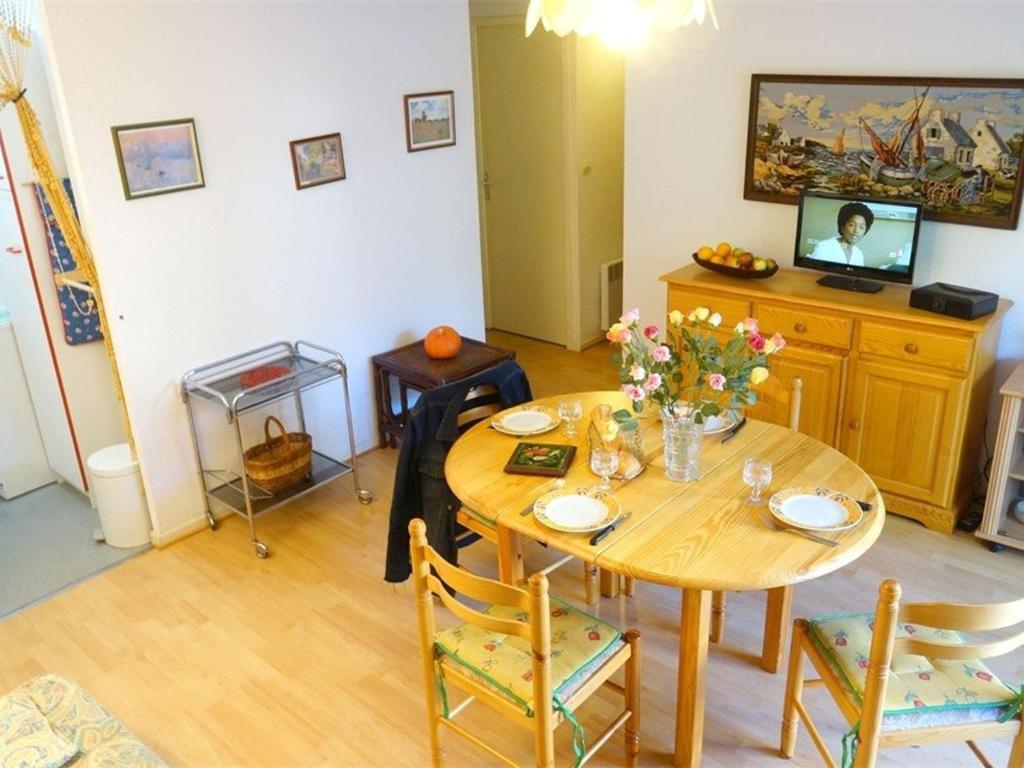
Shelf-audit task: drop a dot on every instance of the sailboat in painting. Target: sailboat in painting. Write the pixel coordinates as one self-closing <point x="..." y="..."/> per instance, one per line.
<point x="839" y="147"/>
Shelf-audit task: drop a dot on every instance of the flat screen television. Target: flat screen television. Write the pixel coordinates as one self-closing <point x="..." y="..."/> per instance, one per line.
<point x="857" y="238"/>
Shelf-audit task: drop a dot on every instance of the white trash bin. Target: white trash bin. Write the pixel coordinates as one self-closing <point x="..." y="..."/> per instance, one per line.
<point x="120" y="500"/>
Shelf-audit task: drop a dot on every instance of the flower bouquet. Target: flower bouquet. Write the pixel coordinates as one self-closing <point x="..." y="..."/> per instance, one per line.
<point x="690" y="375"/>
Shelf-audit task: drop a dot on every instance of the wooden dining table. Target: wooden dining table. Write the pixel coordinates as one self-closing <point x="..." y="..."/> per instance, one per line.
<point x="700" y="536"/>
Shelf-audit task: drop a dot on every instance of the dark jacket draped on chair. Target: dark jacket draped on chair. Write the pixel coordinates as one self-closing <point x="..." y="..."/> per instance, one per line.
<point x="420" y="486"/>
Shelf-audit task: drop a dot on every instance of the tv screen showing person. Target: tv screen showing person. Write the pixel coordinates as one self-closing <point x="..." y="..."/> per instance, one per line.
<point x="861" y="234"/>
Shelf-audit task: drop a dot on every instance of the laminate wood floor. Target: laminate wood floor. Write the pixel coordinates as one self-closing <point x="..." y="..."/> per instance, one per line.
<point x="216" y="658"/>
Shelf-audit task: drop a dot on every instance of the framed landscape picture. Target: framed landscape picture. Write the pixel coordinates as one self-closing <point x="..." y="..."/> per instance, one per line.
<point x="952" y="144"/>
<point x="155" y="158"/>
<point x="429" y="120"/>
<point x="317" y="160"/>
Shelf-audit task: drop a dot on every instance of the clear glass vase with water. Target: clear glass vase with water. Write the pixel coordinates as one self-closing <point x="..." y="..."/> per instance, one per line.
<point x="683" y="437"/>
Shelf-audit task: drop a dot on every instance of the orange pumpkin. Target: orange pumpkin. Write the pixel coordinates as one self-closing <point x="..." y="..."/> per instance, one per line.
<point x="442" y="342"/>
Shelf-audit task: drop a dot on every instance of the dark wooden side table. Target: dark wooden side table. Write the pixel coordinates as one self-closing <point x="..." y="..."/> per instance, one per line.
<point x="411" y="367"/>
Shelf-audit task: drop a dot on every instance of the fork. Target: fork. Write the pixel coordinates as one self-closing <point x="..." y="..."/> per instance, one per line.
<point x="798" y="531"/>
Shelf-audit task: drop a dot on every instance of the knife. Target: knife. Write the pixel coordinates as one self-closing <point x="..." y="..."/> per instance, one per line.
<point x="596" y="538"/>
<point x="732" y="432"/>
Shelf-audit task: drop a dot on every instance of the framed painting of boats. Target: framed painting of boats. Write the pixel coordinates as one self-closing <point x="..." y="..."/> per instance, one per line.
<point x="952" y="144"/>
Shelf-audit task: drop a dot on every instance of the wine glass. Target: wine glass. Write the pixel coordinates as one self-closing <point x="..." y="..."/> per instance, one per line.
<point x="604" y="463"/>
<point x="570" y="411"/>
<point x="757" y="473"/>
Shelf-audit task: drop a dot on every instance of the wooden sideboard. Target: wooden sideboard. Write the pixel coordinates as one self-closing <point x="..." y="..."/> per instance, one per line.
<point x="901" y="391"/>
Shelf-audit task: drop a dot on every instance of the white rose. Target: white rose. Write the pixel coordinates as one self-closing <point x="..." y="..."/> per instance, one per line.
<point x="637" y="373"/>
<point x="715" y="320"/>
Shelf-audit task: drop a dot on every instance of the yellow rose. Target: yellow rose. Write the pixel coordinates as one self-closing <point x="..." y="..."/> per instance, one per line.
<point x="758" y="375"/>
<point x="702" y="313"/>
<point x="769" y="347"/>
<point x="739" y="328"/>
<point x="675" y="317"/>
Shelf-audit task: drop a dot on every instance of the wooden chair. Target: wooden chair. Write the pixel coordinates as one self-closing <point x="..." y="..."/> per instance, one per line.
<point x="482" y="403"/>
<point x="778" y="405"/>
<point x="528" y="656"/>
<point x="907" y="676"/>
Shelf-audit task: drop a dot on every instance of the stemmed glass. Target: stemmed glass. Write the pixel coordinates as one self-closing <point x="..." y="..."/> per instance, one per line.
<point x="570" y="411"/>
<point x="604" y="463"/>
<point x="757" y="473"/>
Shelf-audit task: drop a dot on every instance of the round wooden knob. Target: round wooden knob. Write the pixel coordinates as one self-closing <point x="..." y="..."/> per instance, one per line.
<point x="800" y="328"/>
<point x="854" y="425"/>
<point x="910" y="348"/>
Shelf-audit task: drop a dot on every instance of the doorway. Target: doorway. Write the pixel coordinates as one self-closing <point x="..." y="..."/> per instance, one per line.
<point x="550" y="129"/>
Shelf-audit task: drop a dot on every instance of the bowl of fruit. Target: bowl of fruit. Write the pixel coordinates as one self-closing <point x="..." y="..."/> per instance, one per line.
<point x="737" y="262"/>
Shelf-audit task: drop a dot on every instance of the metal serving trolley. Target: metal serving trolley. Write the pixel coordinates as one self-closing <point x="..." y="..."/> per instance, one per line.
<point x="308" y="365"/>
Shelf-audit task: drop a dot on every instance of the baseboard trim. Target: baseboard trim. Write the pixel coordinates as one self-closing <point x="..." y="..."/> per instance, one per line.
<point x="593" y="341"/>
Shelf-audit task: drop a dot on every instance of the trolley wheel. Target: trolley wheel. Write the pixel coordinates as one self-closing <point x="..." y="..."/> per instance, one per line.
<point x="995" y="546"/>
<point x="262" y="550"/>
<point x="211" y="521"/>
<point x="364" y="496"/>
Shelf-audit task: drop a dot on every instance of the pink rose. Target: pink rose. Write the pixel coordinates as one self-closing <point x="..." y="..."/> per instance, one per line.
<point x="630" y="317"/>
<point x="653" y="382"/>
<point x="778" y="341"/>
<point x="661" y="353"/>
<point x="716" y="381"/>
<point x="651" y="332"/>
<point x="750" y="324"/>
<point x="756" y="341"/>
<point x="633" y="392"/>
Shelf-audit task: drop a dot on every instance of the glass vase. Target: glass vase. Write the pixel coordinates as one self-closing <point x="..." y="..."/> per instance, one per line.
<point x="682" y="438"/>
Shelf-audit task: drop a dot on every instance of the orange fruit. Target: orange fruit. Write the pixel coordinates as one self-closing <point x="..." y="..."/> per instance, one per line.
<point x="724" y="250"/>
<point x="716" y="259"/>
<point x="705" y="252"/>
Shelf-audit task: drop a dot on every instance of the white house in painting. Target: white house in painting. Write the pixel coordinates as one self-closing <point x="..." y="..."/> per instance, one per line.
<point x="992" y="154"/>
<point x="944" y="137"/>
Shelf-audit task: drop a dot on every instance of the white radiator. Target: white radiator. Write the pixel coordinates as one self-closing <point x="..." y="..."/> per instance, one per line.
<point x="611" y="293"/>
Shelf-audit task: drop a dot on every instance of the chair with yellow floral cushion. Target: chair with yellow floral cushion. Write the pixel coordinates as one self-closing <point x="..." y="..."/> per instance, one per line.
<point x="483" y="402"/>
<point x="907" y="675"/>
<point x="528" y="656"/>
<point x="779" y="405"/>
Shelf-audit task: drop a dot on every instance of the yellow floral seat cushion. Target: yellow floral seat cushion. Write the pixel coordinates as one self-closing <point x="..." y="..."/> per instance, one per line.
<point x="921" y="692"/>
<point x="580" y="643"/>
<point x="26" y="739"/>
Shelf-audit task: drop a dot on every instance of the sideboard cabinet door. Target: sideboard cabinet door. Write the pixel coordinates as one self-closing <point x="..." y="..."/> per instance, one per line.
<point x="822" y="376"/>
<point x="901" y="426"/>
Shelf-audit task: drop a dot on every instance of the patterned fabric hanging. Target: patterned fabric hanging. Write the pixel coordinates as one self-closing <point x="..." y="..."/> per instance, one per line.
<point x="77" y="307"/>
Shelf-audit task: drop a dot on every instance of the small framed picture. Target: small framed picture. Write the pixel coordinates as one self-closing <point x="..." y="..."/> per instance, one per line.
<point x="317" y="160"/>
<point x="155" y="158"/>
<point x="429" y="120"/>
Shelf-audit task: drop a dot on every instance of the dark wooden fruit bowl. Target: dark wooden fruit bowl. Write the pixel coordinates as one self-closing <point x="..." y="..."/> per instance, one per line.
<point x="745" y="274"/>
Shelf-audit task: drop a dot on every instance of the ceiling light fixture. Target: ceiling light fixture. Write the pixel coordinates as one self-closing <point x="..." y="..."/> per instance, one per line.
<point x="619" y="23"/>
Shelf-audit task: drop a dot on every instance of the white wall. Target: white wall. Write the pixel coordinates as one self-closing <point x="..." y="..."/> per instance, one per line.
<point x="84" y="370"/>
<point x="687" y="96"/>
<point x="360" y="265"/>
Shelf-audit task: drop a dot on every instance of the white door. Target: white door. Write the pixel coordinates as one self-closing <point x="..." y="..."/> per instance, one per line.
<point x="519" y="84"/>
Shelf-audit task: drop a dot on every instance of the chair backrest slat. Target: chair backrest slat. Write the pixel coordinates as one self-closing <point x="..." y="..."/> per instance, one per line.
<point x="481" y="402"/>
<point x="476" y="618"/>
<point x="476" y="587"/>
<point x="965" y="618"/>
<point x="957" y="652"/>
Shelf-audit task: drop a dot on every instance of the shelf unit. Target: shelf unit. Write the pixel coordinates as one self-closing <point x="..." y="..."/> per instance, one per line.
<point x="308" y="365"/>
<point x="1006" y="484"/>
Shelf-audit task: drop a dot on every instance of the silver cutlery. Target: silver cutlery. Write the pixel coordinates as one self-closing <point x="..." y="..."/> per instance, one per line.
<point x="596" y="538"/>
<point x="798" y="531"/>
<point x="556" y="486"/>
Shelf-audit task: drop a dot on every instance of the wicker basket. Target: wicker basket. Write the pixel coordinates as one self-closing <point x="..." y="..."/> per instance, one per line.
<point x="279" y="461"/>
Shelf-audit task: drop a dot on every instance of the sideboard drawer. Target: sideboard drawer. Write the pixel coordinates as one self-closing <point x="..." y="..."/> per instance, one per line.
<point x="731" y="309"/>
<point x="801" y="325"/>
<point x="914" y="345"/>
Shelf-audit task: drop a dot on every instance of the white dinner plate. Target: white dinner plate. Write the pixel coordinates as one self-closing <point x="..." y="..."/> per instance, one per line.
<point x="816" y="509"/>
<point x="576" y="511"/>
<point x="525" y="421"/>
<point x="726" y="420"/>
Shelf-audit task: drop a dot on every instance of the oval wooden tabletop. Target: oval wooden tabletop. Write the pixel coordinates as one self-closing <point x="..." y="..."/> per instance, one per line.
<point x="697" y="535"/>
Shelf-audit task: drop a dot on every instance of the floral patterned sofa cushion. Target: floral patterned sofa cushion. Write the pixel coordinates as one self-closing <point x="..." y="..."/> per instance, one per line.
<point x="921" y="692"/>
<point x="97" y="738"/>
<point x="26" y="739"/>
<point x="580" y="644"/>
